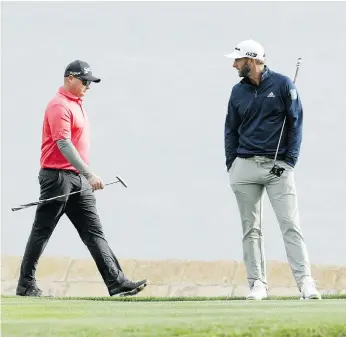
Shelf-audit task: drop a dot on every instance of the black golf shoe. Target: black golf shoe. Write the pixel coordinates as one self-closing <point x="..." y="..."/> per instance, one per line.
<point x="128" y="288"/>
<point x="31" y="290"/>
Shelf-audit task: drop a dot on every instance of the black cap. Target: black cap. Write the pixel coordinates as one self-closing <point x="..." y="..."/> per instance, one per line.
<point x="81" y="70"/>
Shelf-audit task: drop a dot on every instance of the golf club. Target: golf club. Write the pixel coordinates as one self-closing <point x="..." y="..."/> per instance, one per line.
<point x="276" y="169"/>
<point x="64" y="195"/>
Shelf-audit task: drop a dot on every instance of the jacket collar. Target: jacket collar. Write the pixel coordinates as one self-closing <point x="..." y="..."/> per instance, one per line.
<point x="265" y="74"/>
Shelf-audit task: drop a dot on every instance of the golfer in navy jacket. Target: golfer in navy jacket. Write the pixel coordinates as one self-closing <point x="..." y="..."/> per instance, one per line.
<point x="256" y="112"/>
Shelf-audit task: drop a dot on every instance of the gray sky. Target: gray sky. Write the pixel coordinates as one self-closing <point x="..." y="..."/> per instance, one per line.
<point x="158" y="116"/>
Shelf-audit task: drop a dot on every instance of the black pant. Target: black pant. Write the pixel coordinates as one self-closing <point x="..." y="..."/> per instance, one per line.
<point x="80" y="208"/>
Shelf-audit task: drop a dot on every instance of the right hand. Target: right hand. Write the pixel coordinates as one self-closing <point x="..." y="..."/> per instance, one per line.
<point x="96" y="183"/>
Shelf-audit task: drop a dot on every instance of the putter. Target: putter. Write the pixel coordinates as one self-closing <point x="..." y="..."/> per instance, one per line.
<point x="276" y="169"/>
<point x="119" y="180"/>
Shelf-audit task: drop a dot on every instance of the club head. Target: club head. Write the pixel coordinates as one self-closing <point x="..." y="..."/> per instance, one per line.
<point x="277" y="170"/>
<point x="122" y="181"/>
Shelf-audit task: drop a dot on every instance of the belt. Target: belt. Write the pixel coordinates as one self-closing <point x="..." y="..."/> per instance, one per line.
<point x="261" y="159"/>
<point x="61" y="170"/>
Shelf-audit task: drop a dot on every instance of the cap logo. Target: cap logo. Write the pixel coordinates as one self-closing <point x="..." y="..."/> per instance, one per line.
<point x="86" y="70"/>
<point x="251" y="54"/>
<point x="236" y="48"/>
<point x="74" y="73"/>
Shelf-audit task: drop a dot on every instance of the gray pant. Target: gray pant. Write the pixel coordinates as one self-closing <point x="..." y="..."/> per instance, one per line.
<point x="248" y="179"/>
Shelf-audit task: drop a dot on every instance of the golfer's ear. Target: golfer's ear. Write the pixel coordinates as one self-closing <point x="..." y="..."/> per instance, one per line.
<point x="68" y="79"/>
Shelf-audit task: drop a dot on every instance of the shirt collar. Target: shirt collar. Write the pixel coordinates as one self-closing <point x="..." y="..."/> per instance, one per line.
<point x="69" y="95"/>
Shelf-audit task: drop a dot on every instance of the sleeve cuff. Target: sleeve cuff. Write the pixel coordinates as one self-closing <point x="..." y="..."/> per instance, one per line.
<point x="290" y="161"/>
<point x="229" y="163"/>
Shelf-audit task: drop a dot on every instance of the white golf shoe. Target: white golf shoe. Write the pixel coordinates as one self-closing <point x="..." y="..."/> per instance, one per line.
<point x="258" y="291"/>
<point x="308" y="290"/>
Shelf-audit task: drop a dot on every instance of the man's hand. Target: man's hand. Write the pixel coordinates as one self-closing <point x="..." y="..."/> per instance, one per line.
<point x="96" y="183"/>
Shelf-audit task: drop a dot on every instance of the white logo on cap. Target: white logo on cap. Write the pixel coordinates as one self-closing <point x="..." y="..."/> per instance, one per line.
<point x="74" y="73"/>
<point x="86" y="70"/>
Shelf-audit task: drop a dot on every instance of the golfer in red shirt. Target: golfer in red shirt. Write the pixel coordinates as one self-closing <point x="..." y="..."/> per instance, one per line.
<point x="65" y="169"/>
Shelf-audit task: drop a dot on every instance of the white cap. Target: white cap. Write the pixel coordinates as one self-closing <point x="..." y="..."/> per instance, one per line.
<point x="248" y="48"/>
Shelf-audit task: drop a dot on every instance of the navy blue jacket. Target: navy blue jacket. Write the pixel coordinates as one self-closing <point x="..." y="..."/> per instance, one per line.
<point x="255" y="116"/>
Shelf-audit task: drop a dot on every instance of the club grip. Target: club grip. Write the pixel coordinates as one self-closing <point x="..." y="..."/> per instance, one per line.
<point x="17" y="208"/>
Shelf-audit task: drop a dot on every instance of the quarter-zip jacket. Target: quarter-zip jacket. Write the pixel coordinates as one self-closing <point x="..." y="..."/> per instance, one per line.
<point x="255" y="117"/>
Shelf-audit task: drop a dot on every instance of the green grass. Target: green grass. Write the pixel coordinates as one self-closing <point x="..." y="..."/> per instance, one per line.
<point x="192" y="317"/>
<point x="140" y="298"/>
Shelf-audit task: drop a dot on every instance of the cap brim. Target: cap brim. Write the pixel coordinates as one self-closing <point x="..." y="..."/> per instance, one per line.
<point x="91" y="78"/>
<point x="232" y="55"/>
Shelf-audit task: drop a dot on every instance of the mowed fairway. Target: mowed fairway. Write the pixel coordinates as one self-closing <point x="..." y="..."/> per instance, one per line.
<point x="22" y="317"/>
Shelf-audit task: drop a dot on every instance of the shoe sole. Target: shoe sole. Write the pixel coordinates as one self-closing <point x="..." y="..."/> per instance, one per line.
<point x="134" y="291"/>
<point x="40" y="296"/>
<point x="314" y="297"/>
<point x="255" y="299"/>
